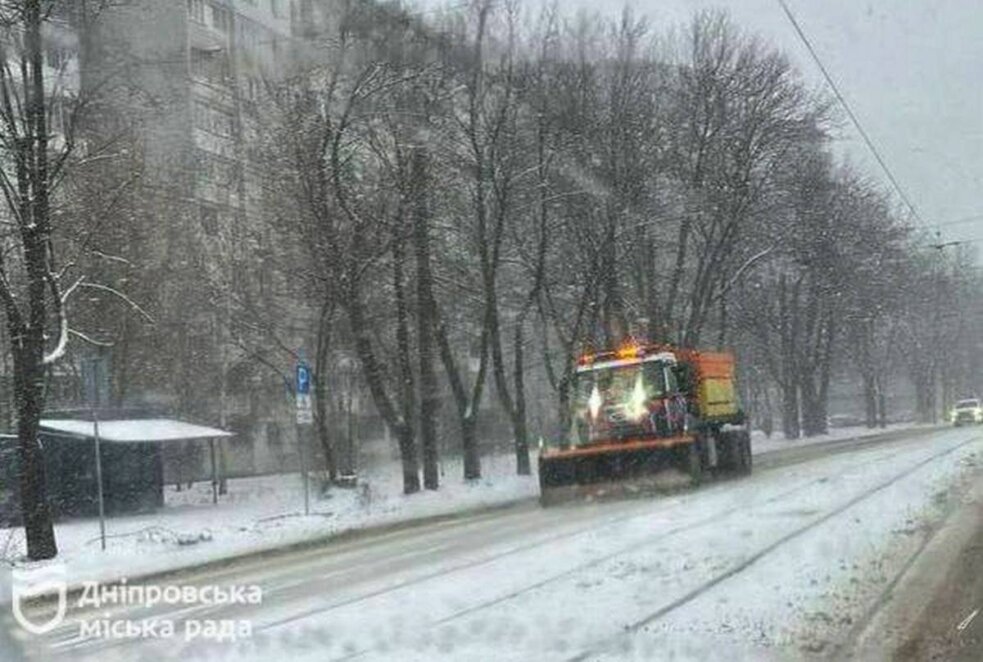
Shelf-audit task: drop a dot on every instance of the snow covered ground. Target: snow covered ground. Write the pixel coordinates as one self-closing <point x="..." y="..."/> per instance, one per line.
<point x="784" y="564"/>
<point x="787" y="563"/>
<point x="267" y="512"/>
<point x="762" y="444"/>
<point x="259" y="514"/>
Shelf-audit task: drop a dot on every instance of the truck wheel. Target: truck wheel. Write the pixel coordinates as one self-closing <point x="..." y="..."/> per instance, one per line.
<point x="728" y="451"/>
<point x="742" y="448"/>
<point x="693" y="462"/>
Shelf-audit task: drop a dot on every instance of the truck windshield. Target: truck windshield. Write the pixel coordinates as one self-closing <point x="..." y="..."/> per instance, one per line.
<point x="967" y="404"/>
<point x="615" y="386"/>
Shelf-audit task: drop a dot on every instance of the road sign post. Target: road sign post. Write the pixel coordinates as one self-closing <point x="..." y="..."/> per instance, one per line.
<point x="305" y="416"/>
<point x="95" y="379"/>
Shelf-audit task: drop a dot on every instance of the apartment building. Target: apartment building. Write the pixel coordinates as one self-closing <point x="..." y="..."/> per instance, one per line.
<point x="184" y="78"/>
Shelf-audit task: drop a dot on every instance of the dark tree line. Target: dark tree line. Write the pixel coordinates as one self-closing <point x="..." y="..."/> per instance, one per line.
<point x="557" y="183"/>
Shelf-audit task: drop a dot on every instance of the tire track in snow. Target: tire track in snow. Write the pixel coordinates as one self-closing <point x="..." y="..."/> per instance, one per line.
<point x="607" y="523"/>
<point x="705" y="587"/>
<point x="706" y="521"/>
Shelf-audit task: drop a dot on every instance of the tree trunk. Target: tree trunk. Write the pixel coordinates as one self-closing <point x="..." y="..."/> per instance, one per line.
<point x="406" y="390"/>
<point x="790" y="411"/>
<point x="321" y="395"/>
<point x="870" y="401"/>
<point x="813" y="408"/>
<point x="375" y="380"/>
<point x="881" y="402"/>
<point x="469" y="444"/>
<point x="722" y="330"/>
<point x="35" y="509"/>
<point x="520" y="432"/>
<point x="615" y="322"/>
<point x="788" y="333"/>
<point x="28" y="335"/>
<point x="429" y="397"/>
<point x="465" y="405"/>
<point x="924" y="383"/>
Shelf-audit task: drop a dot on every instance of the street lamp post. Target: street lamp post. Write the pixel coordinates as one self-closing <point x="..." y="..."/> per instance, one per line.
<point x="939" y="371"/>
<point x="348" y="368"/>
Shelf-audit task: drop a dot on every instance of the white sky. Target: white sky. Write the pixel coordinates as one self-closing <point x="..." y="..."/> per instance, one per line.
<point x="911" y="69"/>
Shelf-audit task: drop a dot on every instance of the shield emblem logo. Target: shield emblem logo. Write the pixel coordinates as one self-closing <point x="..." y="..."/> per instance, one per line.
<point x="29" y="584"/>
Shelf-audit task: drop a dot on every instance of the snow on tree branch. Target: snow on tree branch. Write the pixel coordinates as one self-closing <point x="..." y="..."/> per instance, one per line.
<point x="130" y="302"/>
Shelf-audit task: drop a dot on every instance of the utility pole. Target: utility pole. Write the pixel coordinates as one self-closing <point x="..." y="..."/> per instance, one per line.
<point x="939" y="366"/>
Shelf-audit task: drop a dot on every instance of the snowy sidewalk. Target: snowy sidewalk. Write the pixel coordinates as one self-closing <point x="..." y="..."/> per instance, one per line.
<point x="259" y="514"/>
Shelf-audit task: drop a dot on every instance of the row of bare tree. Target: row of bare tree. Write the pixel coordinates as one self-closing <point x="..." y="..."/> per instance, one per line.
<point x="466" y="204"/>
<point x="496" y="192"/>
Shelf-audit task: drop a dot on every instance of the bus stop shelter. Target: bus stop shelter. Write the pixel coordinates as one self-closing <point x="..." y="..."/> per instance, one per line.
<point x="130" y="454"/>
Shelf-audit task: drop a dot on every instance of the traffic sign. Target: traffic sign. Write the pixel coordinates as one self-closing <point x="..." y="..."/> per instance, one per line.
<point x="303" y="379"/>
<point x="305" y="413"/>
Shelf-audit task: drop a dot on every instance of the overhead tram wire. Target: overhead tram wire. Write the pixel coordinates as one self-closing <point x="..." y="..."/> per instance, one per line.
<point x="849" y="111"/>
<point x="978" y="218"/>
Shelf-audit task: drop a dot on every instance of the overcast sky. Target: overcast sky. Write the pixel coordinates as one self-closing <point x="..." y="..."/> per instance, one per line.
<point x="912" y="71"/>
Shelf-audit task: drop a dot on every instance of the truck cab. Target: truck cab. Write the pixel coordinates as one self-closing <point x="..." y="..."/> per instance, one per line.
<point x="623" y="398"/>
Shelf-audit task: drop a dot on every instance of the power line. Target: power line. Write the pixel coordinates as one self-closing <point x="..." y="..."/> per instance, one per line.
<point x="849" y="111"/>
<point x="939" y="245"/>
<point x="959" y="221"/>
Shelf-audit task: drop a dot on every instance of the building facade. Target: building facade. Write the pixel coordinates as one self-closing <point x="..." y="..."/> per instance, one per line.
<point x="177" y="83"/>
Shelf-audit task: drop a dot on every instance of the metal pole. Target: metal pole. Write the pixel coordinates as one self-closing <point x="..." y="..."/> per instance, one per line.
<point x="303" y="469"/>
<point x="93" y="382"/>
<point x="211" y="448"/>
<point x="303" y="401"/>
<point x="350" y="446"/>
<point x="102" y="507"/>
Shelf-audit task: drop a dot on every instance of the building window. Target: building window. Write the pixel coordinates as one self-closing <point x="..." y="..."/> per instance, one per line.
<point x="56" y="58"/>
<point x="250" y="89"/>
<point x="249" y="33"/>
<point x="196" y="10"/>
<point x="221" y="19"/>
<point x="208" y="217"/>
<point x="212" y="119"/>
<point x="58" y="118"/>
<point x="215" y="177"/>
<point x="211" y="64"/>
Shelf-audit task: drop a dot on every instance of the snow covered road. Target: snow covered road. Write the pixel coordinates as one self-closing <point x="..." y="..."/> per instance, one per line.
<point x="792" y="561"/>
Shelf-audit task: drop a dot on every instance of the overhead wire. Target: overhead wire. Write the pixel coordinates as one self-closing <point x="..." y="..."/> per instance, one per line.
<point x="849" y="111"/>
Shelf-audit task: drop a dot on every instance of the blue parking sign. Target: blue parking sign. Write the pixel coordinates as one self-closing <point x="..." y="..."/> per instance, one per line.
<point x="303" y="379"/>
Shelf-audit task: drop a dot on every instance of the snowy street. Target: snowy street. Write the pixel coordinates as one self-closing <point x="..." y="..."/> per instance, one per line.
<point x="796" y="560"/>
<point x="480" y="330"/>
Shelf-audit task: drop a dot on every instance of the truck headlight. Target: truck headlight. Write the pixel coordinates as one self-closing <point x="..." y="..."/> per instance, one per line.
<point x="636" y="407"/>
<point x="594" y="402"/>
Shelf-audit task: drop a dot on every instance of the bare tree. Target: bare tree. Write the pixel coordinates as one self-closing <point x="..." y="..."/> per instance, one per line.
<point x="35" y="289"/>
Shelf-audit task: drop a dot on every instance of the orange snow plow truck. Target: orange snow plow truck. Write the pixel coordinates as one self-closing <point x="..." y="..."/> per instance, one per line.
<point x="641" y="409"/>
